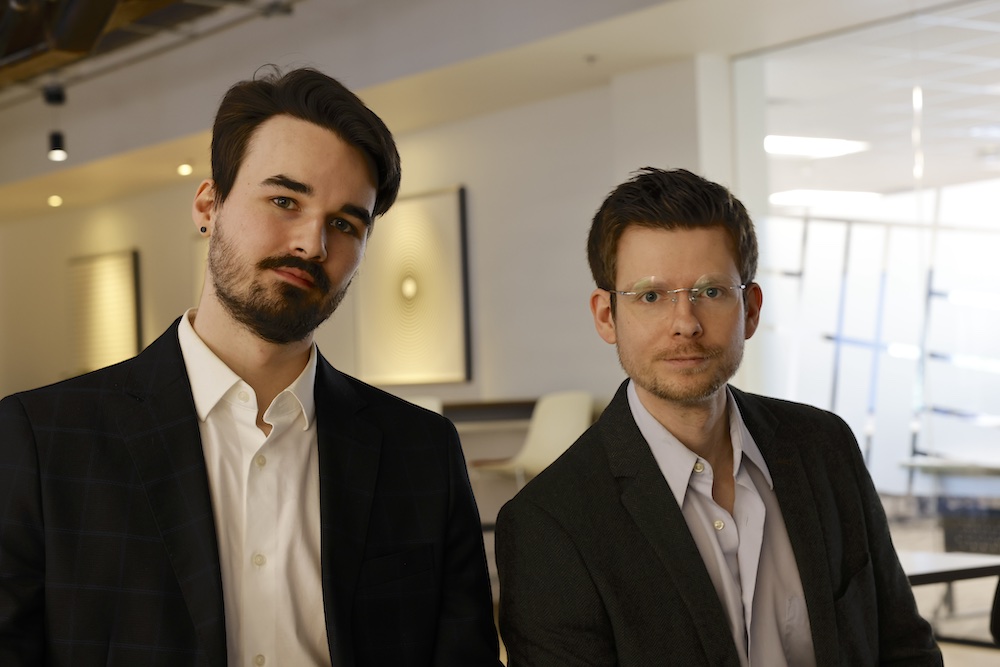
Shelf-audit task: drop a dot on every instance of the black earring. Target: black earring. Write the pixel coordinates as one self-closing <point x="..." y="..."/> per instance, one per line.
<point x="204" y="229"/>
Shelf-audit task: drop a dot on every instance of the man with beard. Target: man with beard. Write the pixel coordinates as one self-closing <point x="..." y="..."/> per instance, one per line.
<point x="695" y="524"/>
<point x="228" y="497"/>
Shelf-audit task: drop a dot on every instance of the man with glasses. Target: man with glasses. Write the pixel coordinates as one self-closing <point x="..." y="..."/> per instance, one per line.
<point x="695" y="524"/>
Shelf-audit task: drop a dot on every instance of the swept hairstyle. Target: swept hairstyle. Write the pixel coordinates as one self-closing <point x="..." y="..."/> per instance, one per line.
<point x="312" y="96"/>
<point x="668" y="199"/>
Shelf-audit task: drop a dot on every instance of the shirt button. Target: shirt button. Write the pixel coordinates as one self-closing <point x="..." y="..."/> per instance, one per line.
<point x="261" y="461"/>
<point x="699" y="467"/>
<point x="243" y="396"/>
<point x="259" y="560"/>
<point x="259" y="660"/>
<point x="719" y="524"/>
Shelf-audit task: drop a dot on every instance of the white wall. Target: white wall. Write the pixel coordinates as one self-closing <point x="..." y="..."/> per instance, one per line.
<point x="34" y="283"/>
<point x="535" y="175"/>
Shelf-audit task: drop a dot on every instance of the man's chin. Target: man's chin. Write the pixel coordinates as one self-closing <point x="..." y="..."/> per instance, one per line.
<point x="282" y="313"/>
<point x="689" y="389"/>
<point x="689" y="396"/>
<point x="285" y="330"/>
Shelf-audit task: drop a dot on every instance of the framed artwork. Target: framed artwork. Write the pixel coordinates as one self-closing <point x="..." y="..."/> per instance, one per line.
<point x="106" y="319"/>
<point x="412" y="293"/>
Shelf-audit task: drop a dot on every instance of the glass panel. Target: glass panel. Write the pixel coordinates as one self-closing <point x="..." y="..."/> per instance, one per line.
<point x="896" y="319"/>
<point x="892" y="438"/>
<point x="864" y="283"/>
<point x="905" y="290"/>
<point x="854" y="385"/>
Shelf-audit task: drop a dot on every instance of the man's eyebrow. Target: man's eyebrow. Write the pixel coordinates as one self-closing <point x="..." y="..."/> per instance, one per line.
<point x="360" y="213"/>
<point x="282" y="181"/>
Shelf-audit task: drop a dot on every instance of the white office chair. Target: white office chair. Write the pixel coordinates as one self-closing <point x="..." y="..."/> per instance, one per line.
<point x="557" y="420"/>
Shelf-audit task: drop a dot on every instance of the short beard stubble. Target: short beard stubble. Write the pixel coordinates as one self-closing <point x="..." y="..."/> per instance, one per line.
<point x="692" y="393"/>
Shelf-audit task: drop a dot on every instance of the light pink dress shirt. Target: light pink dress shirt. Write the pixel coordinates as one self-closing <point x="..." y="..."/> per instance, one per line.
<point x="747" y="554"/>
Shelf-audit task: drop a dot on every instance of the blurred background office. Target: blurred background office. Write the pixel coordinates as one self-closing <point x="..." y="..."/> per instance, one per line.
<point x="880" y="235"/>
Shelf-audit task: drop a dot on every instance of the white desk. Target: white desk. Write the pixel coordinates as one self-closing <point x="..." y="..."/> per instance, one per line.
<point x="929" y="567"/>
<point x="939" y="466"/>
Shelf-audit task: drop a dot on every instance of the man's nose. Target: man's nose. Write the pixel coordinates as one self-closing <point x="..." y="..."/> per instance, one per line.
<point x="310" y="239"/>
<point x="683" y="319"/>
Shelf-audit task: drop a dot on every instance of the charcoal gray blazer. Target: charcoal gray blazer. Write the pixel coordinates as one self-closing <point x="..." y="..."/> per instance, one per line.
<point x="597" y="566"/>
<point x="108" y="551"/>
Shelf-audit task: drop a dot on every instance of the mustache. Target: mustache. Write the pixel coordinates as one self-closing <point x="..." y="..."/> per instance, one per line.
<point x="315" y="272"/>
<point x="695" y="350"/>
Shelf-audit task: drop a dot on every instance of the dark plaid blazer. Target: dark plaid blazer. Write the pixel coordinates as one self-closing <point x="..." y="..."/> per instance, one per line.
<point x="598" y="567"/>
<point x="108" y="551"/>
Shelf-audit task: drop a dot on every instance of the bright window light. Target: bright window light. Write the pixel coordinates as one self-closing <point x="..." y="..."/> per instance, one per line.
<point x="989" y="300"/>
<point x="903" y="351"/>
<point x="985" y="132"/>
<point x="811" y="147"/>
<point x="988" y="421"/>
<point x="817" y="198"/>
<point x="976" y="363"/>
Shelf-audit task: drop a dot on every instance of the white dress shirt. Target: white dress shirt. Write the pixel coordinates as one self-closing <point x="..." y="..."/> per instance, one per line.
<point x="747" y="554"/>
<point x="265" y="499"/>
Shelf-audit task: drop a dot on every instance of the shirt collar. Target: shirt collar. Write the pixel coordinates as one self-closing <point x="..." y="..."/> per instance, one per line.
<point x="742" y="439"/>
<point x="676" y="461"/>
<point x="211" y="379"/>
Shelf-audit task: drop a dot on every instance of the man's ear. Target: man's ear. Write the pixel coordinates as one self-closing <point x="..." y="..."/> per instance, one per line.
<point x="754" y="300"/>
<point x="203" y="207"/>
<point x="604" y="319"/>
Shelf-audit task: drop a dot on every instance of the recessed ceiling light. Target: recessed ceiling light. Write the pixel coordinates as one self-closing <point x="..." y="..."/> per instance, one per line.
<point x="811" y="147"/>
<point x="815" y="198"/>
<point x="185" y="169"/>
<point x="55" y="201"/>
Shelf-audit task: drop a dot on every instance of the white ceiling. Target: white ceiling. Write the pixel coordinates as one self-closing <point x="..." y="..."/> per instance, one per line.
<point x="854" y="85"/>
<point x="859" y="86"/>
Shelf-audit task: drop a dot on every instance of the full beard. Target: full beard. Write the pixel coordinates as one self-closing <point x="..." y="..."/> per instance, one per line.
<point x="687" y="387"/>
<point x="279" y="314"/>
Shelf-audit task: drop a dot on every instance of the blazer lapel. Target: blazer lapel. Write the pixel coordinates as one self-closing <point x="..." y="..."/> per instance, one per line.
<point x="646" y="495"/>
<point x="349" y="451"/>
<point x="779" y="445"/>
<point x="164" y="440"/>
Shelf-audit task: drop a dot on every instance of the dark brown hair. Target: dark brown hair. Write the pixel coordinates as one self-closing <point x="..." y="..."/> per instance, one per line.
<point x="668" y="199"/>
<point x="312" y="96"/>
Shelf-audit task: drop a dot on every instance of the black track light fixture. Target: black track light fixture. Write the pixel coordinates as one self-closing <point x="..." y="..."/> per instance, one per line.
<point x="57" y="147"/>
<point x="55" y="96"/>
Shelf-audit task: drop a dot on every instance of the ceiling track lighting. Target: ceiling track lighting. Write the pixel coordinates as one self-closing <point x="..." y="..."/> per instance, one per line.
<point x="57" y="147"/>
<point x="55" y="95"/>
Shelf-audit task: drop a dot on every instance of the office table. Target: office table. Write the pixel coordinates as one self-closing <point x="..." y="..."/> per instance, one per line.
<point x="942" y="466"/>
<point x="928" y="567"/>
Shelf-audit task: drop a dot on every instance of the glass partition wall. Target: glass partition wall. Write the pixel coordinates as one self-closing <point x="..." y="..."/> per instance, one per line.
<point x="880" y="247"/>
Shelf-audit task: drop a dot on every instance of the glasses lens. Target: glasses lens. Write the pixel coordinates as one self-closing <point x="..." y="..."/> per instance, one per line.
<point x="651" y="298"/>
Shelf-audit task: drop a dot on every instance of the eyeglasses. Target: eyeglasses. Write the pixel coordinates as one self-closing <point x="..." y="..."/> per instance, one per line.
<point x="649" y="298"/>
